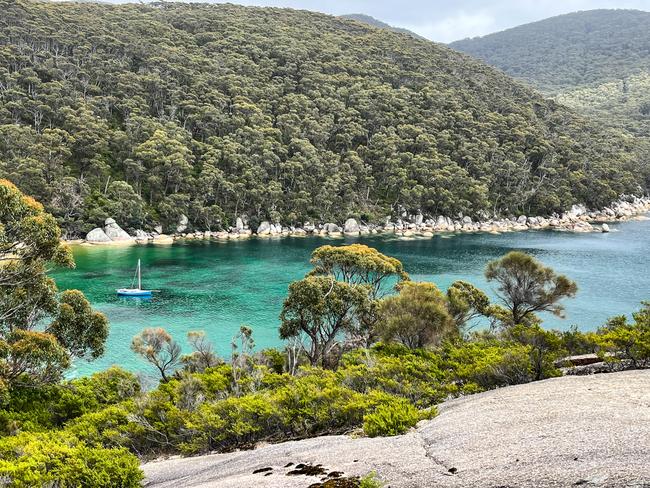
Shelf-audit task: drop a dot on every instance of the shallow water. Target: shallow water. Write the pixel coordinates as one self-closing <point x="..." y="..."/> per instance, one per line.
<point x="217" y="286"/>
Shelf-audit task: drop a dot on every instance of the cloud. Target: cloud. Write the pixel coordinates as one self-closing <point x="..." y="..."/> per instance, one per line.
<point x="456" y="26"/>
<point x="470" y="18"/>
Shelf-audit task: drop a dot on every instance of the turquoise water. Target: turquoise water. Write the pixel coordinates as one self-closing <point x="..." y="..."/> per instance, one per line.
<point x="217" y="287"/>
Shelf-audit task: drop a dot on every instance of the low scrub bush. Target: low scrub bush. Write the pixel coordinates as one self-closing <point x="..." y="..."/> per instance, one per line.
<point x="619" y="340"/>
<point x="391" y="418"/>
<point x="29" y="460"/>
<point x="35" y="408"/>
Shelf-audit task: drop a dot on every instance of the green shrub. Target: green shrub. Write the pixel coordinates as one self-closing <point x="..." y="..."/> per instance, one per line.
<point x="620" y="340"/>
<point x="483" y="365"/>
<point x="274" y="359"/>
<point x="29" y="460"/>
<point x="235" y="422"/>
<point x="370" y="481"/>
<point x="392" y="418"/>
<point x="316" y="403"/>
<point x="417" y="375"/>
<point x="544" y="348"/>
<point x="575" y="342"/>
<point x="37" y="408"/>
<point x="109" y="427"/>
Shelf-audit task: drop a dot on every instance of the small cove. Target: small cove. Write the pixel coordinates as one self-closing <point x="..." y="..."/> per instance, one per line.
<point x="218" y="286"/>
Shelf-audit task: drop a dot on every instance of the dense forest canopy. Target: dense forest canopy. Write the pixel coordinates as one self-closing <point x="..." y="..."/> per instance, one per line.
<point x="595" y="61"/>
<point x="146" y="112"/>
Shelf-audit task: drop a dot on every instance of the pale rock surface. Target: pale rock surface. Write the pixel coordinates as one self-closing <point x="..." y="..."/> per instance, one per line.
<point x="163" y="239"/>
<point x="331" y="228"/>
<point x="264" y="229"/>
<point x="97" y="235"/>
<point x="577" y="211"/>
<point x="182" y="224"/>
<point x="591" y="431"/>
<point x="351" y="226"/>
<point x="114" y="232"/>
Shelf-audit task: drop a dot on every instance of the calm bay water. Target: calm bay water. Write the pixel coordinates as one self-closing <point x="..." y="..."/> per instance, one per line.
<point x="217" y="287"/>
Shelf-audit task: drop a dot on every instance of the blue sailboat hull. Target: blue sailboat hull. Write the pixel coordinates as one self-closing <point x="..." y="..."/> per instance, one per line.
<point x="134" y="293"/>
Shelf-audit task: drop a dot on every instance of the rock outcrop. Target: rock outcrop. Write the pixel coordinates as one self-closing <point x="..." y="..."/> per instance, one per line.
<point x="163" y="239"/>
<point x="332" y="229"/>
<point x="97" y="236"/>
<point x="264" y="229"/>
<point x="569" y="431"/>
<point x="114" y="232"/>
<point x="351" y="227"/>
<point x="576" y="219"/>
<point x="183" y="221"/>
<point x="111" y="233"/>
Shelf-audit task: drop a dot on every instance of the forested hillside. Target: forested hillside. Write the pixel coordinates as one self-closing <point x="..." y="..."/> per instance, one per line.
<point x="147" y="112"/>
<point x="596" y="61"/>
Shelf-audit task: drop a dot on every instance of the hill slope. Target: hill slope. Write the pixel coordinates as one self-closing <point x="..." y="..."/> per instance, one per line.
<point x="147" y="112"/>
<point x="560" y="53"/>
<point x="367" y="19"/>
<point x="569" y="431"/>
<point x="597" y="61"/>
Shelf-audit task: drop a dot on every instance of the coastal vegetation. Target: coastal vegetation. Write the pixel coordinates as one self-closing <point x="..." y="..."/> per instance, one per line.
<point x="368" y="351"/>
<point x="151" y="114"/>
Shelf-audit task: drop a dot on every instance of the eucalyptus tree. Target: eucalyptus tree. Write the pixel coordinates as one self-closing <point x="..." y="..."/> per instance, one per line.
<point x="417" y="317"/>
<point x="526" y="286"/>
<point x="321" y="312"/>
<point x="29" y="243"/>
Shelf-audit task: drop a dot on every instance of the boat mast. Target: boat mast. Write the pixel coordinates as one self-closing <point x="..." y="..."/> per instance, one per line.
<point x="139" y="277"/>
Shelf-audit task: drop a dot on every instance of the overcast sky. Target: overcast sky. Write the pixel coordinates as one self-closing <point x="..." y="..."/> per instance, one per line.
<point x="450" y="20"/>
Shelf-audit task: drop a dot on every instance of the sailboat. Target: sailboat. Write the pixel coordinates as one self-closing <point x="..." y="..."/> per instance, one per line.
<point x="135" y="292"/>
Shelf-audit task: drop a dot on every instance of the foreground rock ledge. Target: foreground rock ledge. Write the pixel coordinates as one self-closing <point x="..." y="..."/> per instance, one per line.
<point x="591" y="431"/>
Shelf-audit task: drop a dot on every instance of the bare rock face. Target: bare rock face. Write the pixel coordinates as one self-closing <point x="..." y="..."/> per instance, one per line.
<point x="577" y="211"/>
<point x="114" y="232"/>
<point x="331" y="228"/>
<point x="97" y="235"/>
<point x="264" y="229"/>
<point x="570" y="431"/>
<point x="182" y="224"/>
<point x="163" y="239"/>
<point x="141" y="236"/>
<point x="239" y="224"/>
<point x="351" y="226"/>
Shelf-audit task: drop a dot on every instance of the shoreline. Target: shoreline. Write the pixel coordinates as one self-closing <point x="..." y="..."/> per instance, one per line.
<point x="576" y="220"/>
